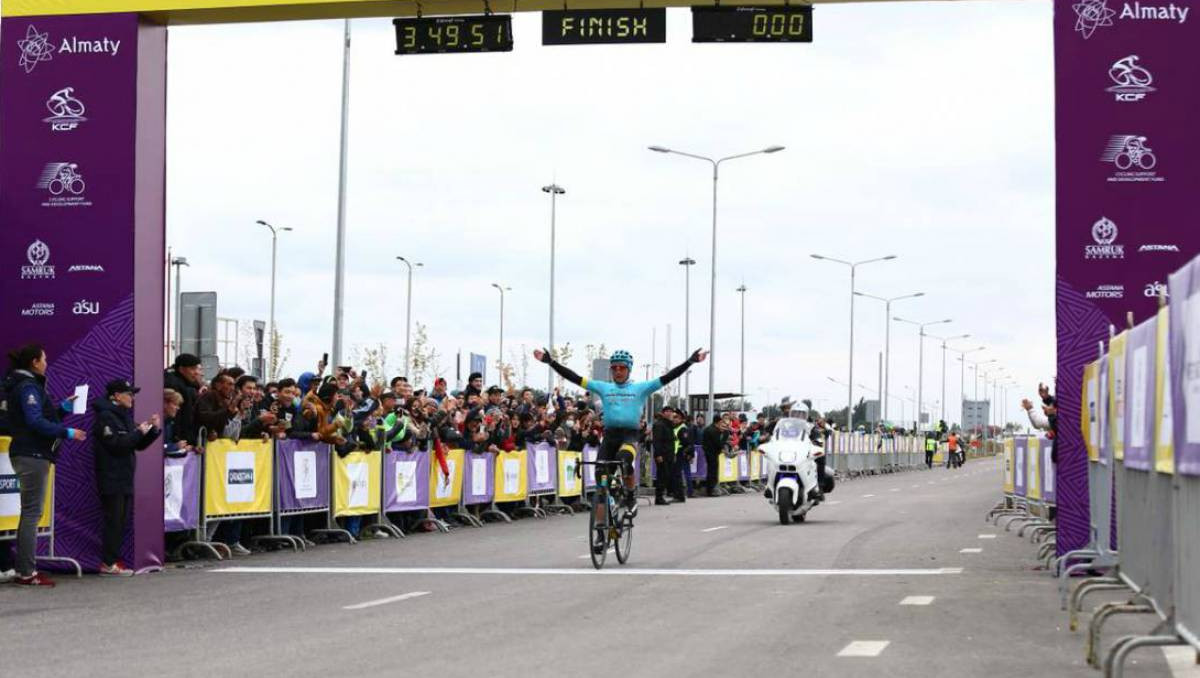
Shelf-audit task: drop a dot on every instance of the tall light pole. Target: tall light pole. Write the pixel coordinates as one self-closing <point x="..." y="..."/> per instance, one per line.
<point x="554" y="190"/>
<point x="944" y="341"/>
<point x="853" y="272"/>
<point x="500" y="358"/>
<point x="178" y="263"/>
<point x="921" y="361"/>
<point x="962" y="378"/>
<point x="408" y="314"/>
<point x="887" y="339"/>
<point x="742" y="379"/>
<point x="339" y="269"/>
<point x="687" y="263"/>
<point x="272" y="348"/>
<point x="712" y="297"/>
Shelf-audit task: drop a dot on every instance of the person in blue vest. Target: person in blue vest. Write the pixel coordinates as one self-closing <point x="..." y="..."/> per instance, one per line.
<point x="37" y="432"/>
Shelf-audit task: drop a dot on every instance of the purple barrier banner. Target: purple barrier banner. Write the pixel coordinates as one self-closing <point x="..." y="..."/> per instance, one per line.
<point x="1184" y="337"/>
<point x="699" y="465"/>
<point x="1020" y="446"/>
<point x="1140" y="387"/>
<point x="1125" y="181"/>
<point x="1106" y="450"/>
<point x="81" y="238"/>
<point x="181" y="493"/>
<point x="743" y="466"/>
<point x="542" y="462"/>
<point x="479" y="481"/>
<point x="589" y="472"/>
<point x="1046" y="472"/>
<point x="303" y="468"/>
<point x="405" y="481"/>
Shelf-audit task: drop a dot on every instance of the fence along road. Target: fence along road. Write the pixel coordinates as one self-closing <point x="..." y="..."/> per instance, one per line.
<point x="502" y="624"/>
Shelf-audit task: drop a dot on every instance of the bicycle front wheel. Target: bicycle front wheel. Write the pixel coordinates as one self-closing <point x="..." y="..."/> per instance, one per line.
<point x="598" y="531"/>
<point x="624" y="541"/>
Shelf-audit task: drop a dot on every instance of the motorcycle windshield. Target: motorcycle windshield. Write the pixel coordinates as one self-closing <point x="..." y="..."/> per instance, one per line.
<point x="791" y="429"/>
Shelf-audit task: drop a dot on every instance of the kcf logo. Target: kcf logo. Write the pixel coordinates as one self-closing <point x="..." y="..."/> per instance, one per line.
<point x="66" y="112"/>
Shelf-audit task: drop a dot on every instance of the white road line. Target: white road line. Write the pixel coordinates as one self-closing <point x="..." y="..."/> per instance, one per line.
<point x="894" y="489"/>
<point x="518" y="571"/>
<point x="714" y="529"/>
<point x="987" y="536"/>
<point x="916" y="486"/>
<point x="385" y="601"/>
<point x="864" y="648"/>
<point x="868" y="496"/>
<point x="835" y="502"/>
<point x="917" y="600"/>
<point x="971" y="551"/>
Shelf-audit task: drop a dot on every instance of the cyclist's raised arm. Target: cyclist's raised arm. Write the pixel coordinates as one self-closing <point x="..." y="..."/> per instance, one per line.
<point x="678" y="370"/>
<point x="563" y="371"/>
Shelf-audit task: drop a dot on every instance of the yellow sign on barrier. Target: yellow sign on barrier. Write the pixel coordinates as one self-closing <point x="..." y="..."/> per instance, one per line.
<point x="1010" y="466"/>
<point x="728" y="471"/>
<point x="445" y="491"/>
<point x="237" y="477"/>
<point x="512" y="476"/>
<point x="1033" y="478"/>
<point x="568" y="484"/>
<point x="1164" y="448"/>
<point x="356" y="483"/>
<point x="10" y="493"/>
<point x="1089" y="410"/>
<point x="756" y="465"/>
<point x="1117" y="393"/>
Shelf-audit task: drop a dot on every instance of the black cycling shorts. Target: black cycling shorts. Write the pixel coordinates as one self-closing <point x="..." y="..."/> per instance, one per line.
<point x="614" y="438"/>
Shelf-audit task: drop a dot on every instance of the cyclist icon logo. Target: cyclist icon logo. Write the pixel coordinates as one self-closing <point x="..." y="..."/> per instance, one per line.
<point x="35" y="48"/>
<point x="62" y="177"/>
<point x="1131" y="82"/>
<point x="1090" y="15"/>
<point x="1127" y="150"/>
<point x="66" y="112"/>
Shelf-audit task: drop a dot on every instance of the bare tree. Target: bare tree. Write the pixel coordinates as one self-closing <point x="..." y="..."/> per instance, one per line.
<point x="372" y="359"/>
<point x="426" y="361"/>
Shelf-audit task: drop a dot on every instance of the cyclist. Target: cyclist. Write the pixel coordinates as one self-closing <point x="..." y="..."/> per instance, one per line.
<point x="623" y="402"/>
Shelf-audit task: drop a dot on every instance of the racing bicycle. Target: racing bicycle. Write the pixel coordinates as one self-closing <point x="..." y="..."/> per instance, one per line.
<point x="610" y="522"/>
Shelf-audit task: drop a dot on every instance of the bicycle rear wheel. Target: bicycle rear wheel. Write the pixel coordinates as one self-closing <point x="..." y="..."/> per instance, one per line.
<point x="624" y="541"/>
<point x="598" y="530"/>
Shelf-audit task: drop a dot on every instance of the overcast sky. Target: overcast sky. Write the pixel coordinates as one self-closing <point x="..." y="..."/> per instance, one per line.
<point x="923" y="130"/>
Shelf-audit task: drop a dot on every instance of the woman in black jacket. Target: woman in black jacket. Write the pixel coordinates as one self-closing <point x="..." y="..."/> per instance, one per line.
<point x="116" y="439"/>
<point x="34" y="420"/>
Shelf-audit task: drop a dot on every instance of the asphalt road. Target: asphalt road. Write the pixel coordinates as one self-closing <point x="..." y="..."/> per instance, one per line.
<point x="523" y="599"/>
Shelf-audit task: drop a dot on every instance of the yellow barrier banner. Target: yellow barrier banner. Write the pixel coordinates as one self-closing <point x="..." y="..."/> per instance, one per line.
<point x="1009" y="465"/>
<point x="1164" y="448"/>
<point x="728" y="471"/>
<point x="512" y="476"/>
<point x="1090" y="410"/>
<point x="356" y="483"/>
<point x="1033" y="479"/>
<point x="10" y="493"/>
<point x="445" y="491"/>
<point x="237" y="477"/>
<point x="1117" y="393"/>
<point x="756" y="465"/>
<point x="568" y="484"/>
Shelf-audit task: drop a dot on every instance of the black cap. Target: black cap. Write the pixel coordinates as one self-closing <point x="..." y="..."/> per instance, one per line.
<point x="494" y="389"/>
<point x="474" y="376"/>
<point x="186" y="360"/>
<point x="120" y="386"/>
<point x="387" y="394"/>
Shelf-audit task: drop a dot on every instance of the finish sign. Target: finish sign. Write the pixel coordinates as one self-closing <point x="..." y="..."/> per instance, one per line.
<point x="752" y="24"/>
<point x="604" y="26"/>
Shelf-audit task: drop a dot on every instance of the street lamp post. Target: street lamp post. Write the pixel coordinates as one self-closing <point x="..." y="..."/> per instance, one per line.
<point x="687" y="263"/>
<point x="179" y="263"/>
<point x="921" y="361"/>
<point x="554" y="190"/>
<point x="712" y="301"/>
<point x="339" y="267"/>
<point x="742" y="379"/>
<point x="500" y="358"/>
<point x="887" y="341"/>
<point x="408" y="314"/>
<point x="271" y="344"/>
<point x="853" y="272"/>
<point x="962" y="378"/>
<point x="944" y="341"/>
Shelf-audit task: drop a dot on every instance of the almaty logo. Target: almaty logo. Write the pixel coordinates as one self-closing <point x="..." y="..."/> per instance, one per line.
<point x="35" y="48"/>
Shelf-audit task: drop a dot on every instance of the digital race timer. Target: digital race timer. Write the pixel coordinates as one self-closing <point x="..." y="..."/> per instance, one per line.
<point x="752" y="24"/>
<point x="446" y="34"/>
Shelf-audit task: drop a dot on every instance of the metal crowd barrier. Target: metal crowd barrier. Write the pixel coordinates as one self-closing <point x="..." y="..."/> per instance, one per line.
<point x="10" y="518"/>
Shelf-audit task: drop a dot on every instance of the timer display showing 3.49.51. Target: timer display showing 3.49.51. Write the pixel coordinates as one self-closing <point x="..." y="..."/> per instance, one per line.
<point x="451" y="34"/>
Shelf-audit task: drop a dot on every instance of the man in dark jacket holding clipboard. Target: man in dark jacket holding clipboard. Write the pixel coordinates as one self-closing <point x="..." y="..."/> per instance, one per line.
<point x="116" y="439"/>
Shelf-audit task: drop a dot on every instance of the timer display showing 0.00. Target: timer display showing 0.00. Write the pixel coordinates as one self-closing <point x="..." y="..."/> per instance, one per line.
<point x="726" y="23"/>
<point x="768" y="26"/>
<point x="441" y="35"/>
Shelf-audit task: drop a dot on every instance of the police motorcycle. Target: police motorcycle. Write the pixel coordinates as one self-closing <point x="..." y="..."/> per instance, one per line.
<point x="793" y="486"/>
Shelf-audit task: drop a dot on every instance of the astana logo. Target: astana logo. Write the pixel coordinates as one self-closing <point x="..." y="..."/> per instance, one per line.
<point x="35" y="49"/>
<point x="1090" y="15"/>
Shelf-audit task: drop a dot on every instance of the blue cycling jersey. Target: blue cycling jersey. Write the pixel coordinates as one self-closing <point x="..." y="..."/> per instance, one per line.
<point x="623" y="403"/>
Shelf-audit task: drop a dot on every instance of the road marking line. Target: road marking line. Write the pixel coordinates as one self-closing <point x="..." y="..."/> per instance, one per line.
<point x="864" y="648"/>
<point x="867" y="496"/>
<point x="971" y="551"/>
<point x="833" y="503"/>
<point x="917" y="600"/>
<point x="385" y="601"/>
<point x="916" y="486"/>
<point x="987" y="536"/>
<point x="937" y="571"/>
<point x="714" y="529"/>
<point x="894" y="489"/>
